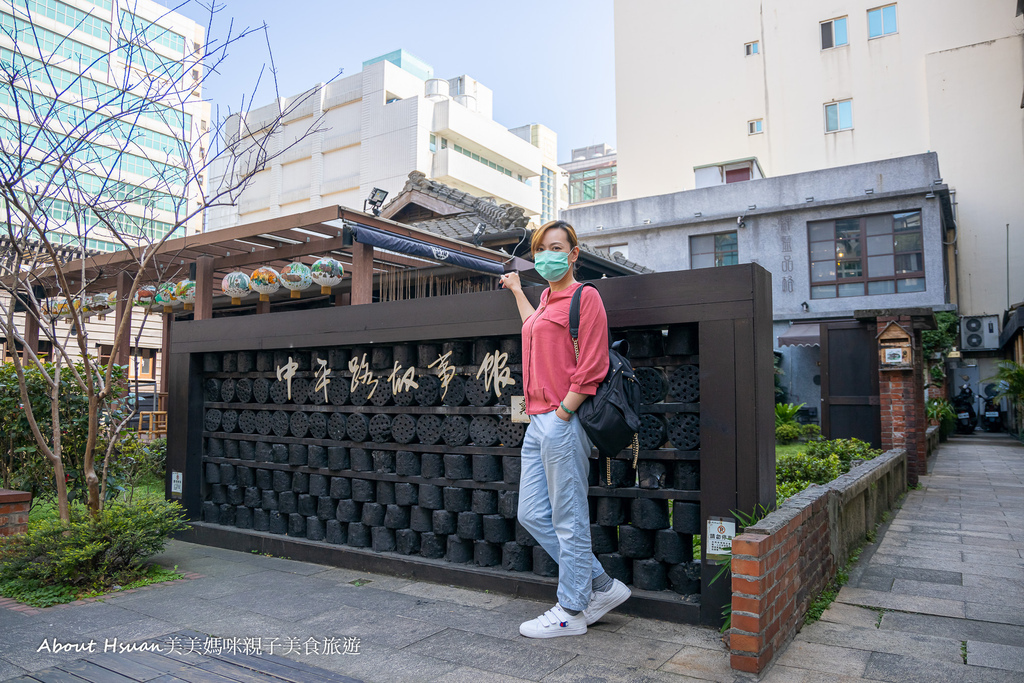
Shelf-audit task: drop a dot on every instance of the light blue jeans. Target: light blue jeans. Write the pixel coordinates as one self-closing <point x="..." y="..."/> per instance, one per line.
<point x="553" y="502"/>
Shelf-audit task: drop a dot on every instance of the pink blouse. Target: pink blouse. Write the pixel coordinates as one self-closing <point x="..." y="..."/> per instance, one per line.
<point x="550" y="370"/>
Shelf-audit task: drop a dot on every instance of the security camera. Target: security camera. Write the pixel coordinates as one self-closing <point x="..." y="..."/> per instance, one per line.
<point x="740" y="222"/>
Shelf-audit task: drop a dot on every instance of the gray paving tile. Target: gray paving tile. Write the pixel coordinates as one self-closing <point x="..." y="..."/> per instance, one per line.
<point x="829" y="658"/>
<point x="903" y="669"/>
<point x="377" y="663"/>
<point x="850" y="615"/>
<point x="1008" y="613"/>
<point x="467" y="674"/>
<point x="701" y="663"/>
<point x="1007" y="657"/>
<point x="459" y="596"/>
<point x="902" y="603"/>
<point x="389" y="629"/>
<point x="596" y="669"/>
<point x="873" y="639"/>
<point x="511" y="658"/>
<point x="789" y="674"/>
<point x="628" y="649"/>
<point x="9" y="670"/>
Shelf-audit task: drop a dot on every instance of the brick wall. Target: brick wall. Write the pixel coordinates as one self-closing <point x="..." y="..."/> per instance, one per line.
<point x="780" y="564"/>
<point x="904" y="420"/>
<point x="14" y="512"/>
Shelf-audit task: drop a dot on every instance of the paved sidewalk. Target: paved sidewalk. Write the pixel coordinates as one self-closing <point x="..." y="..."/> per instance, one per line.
<point x="407" y="630"/>
<point x="941" y="596"/>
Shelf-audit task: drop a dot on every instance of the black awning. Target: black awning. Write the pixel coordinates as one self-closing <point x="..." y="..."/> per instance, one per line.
<point x="801" y="334"/>
<point x="413" y="247"/>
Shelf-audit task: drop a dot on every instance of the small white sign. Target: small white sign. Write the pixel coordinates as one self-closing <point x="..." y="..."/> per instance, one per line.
<point x="719" y="537"/>
<point x="894" y="356"/>
<point x="519" y="410"/>
<point x="176" y="482"/>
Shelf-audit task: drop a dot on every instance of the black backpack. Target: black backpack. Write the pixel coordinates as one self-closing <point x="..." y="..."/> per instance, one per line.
<point x="611" y="417"/>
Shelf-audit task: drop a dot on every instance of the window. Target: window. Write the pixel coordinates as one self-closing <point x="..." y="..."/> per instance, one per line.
<point x="596" y="183"/>
<point x="433" y="142"/>
<point x="881" y="21"/>
<point x="737" y="175"/>
<point x="752" y="48"/>
<point x="610" y="250"/>
<point x="833" y="33"/>
<point x="882" y="254"/>
<point x="838" y="116"/>
<point x="707" y="251"/>
<point x="754" y="127"/>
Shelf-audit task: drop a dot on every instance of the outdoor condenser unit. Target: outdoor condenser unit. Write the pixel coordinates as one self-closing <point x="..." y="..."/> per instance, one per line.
<point x="979" y="333"/>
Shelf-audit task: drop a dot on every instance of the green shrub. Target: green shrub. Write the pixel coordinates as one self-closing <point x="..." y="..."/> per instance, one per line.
<point x="793" y="467"/>
<point x="846" y="450"/>
<point x="811" y="431"/>
<point x="939" y="409"/>
<point x="787" y="433"/>
<point x="143" y="462"/>
<point x="785" y="413"/>
<point x="57" y="562"/>
<point x="22" y="465"/>
<point x="789" y="488"/>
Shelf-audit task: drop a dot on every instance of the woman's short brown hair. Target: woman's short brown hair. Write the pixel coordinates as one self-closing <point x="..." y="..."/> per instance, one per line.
<point x="538" y="235"/>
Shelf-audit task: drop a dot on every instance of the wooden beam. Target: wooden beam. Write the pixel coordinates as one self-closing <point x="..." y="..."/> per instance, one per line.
<point x="362" y="274"/>
<point x="262" y="307"/>
<point x="204" y="288"/>
<point x="123" y="311"/>
<point x="165" y="346"/>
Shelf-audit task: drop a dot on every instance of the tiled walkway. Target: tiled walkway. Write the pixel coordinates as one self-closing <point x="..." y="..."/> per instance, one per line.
<point x="941" y="596"/>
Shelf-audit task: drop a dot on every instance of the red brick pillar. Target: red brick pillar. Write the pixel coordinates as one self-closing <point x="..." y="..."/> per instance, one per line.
<point x="904" y="420"/>
<point x="14" y="512"/>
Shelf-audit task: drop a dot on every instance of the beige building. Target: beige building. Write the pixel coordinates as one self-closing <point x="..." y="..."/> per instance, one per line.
<point x="370" y="130"/>
<point x="714" y="93"/>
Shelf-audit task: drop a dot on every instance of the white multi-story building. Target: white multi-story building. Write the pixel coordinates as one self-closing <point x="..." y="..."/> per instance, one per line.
<point x="593" y="175"/>
<point x="64" y="60"/>
<point x="371" y="129"/>
<point x="718" y="92"/>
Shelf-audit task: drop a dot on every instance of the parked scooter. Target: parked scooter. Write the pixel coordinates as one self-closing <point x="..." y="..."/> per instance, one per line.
<point x="990" y="418"/>
<point x="963" y="405"/>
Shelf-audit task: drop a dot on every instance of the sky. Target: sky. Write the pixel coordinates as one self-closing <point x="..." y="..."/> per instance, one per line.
<point x="549" y="62"/>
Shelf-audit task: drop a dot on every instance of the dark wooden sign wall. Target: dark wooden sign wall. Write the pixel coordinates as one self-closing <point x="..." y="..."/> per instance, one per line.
<point x="374" y="436"/>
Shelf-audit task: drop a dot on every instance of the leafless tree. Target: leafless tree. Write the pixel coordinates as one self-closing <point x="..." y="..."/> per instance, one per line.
<point x="69" y="134"/>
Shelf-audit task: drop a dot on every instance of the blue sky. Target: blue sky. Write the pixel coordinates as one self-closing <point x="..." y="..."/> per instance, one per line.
<point x="549" y="62"/>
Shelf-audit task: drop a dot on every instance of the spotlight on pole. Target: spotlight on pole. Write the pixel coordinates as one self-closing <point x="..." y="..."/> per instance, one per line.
<point x="375" y="201"/>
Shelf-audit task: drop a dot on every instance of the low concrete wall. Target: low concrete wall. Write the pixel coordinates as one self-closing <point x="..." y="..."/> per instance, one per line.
<point x="931" y="436"/>
<point x="781" y="563"/>
<point x="14" y="507"/>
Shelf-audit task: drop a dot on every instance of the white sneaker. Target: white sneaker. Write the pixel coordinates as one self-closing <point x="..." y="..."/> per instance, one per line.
<point x="553" y="623"/>
<point x="602" y="602"/>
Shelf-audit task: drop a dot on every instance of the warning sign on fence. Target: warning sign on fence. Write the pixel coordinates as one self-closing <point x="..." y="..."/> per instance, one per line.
<point x="718" y="540"/>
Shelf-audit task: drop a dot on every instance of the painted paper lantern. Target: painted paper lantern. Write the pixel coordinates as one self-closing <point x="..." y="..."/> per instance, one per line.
<point x="327" y="273"/>
<point x="165" y="296"/>
<point x="296" y="277"/>
<point x="144" y="296"/>
<point x="266" y="281"/>
<point x="235" y="285"/>
<point x="185" y="291"/>
<point x="98" y="304"/>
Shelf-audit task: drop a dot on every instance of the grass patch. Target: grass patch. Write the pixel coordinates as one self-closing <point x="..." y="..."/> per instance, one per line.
<point x="963" y="650"/>
<point x="789" y="448"/>
<point x="43" y="509"/>
<point x="828" y="595"/>
<point x="47" y="596"/>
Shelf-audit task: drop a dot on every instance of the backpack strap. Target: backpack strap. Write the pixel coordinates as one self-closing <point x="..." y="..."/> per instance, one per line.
<point x="574" y="311"/>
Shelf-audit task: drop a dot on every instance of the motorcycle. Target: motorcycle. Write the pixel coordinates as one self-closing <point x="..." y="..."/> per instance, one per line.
<point x="990" y="419"/>
<point x="966" y="416"/>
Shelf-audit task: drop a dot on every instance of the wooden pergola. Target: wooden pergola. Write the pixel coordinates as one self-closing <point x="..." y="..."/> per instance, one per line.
<point x="276" y="242"/>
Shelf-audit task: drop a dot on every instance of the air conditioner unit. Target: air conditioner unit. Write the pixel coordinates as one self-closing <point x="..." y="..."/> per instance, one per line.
<point x="979" y="332"/>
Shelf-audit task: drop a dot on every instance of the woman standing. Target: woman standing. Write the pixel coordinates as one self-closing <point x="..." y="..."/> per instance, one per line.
<point x="555" y="454"/>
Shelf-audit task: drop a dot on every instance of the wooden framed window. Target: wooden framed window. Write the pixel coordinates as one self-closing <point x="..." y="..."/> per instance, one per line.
<point x="881" y="254"/>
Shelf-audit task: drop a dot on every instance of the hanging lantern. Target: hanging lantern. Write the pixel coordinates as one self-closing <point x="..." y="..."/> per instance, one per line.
<point x="98" y="304"/>
<point x="296" y="277"/>
<point x="327" y="273"/>
<point x="144" y="296"/>
<point x="266" y="281"/>
<point x="235" y="285"/>
<point x="165" y="296"/>
<point x="185" y="291"/>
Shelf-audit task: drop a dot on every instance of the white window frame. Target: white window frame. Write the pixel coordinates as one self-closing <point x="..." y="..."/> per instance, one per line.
<point x="879" y="9"/>
<point x="752" y="48"/>
<point x="836" y="103"/>
<point x="753" y="124"/>
<point x="833" y="21"/>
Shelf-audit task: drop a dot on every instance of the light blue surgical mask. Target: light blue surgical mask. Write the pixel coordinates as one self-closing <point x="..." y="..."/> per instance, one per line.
<point x="551" y="265"/>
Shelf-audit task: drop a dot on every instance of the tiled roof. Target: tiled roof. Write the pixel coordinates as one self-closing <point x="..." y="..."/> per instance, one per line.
<point x="495" y="218"/>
